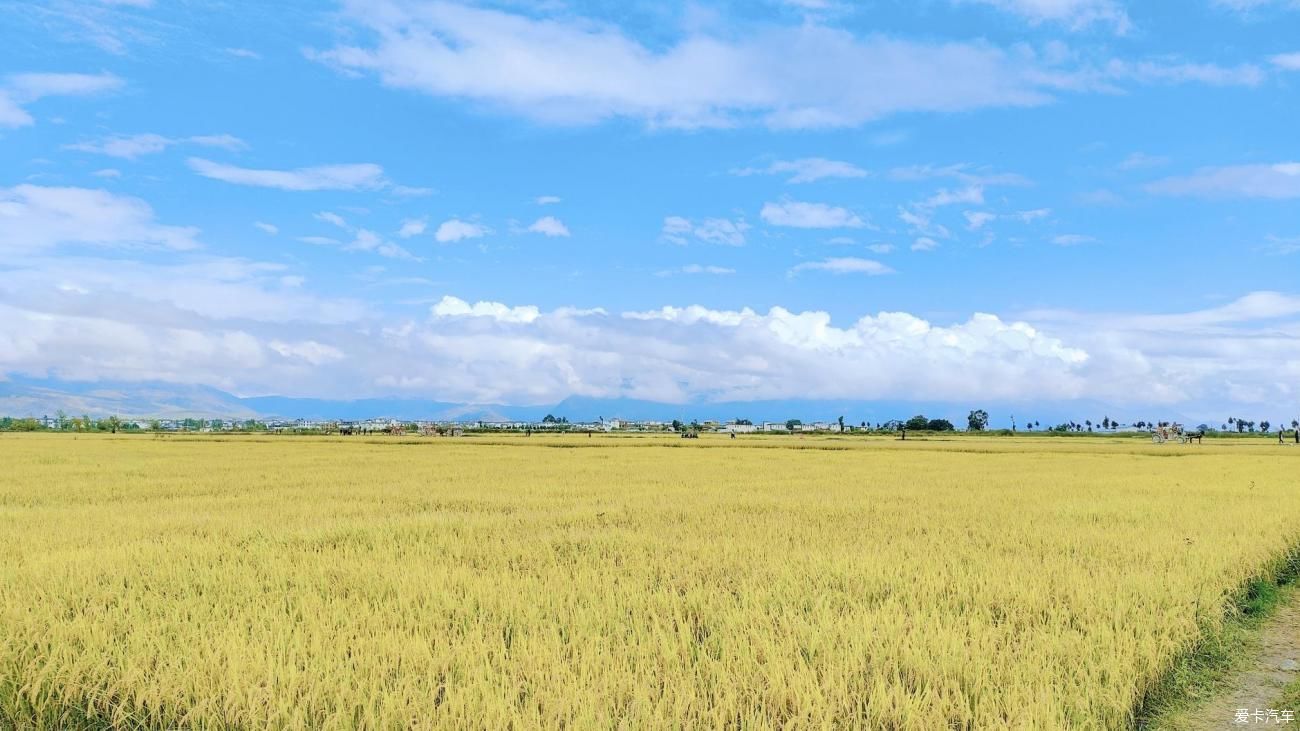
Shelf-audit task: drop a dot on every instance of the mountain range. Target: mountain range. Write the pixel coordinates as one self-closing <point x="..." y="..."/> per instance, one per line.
<point x="21" y="396"/>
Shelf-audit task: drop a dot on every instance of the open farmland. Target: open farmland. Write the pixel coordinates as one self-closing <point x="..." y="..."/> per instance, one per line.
<point x="626" y="582"/>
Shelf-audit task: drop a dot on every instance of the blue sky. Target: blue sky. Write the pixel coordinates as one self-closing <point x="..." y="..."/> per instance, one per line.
<point x="964" y="200"/>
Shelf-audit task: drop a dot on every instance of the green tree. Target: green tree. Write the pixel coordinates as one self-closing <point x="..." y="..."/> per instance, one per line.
<point x="977" y="420"/>
<point x="114" y="423"/>
<point x="939" y="425"/>
<point x="841" y="420"/>
<point x="917" y="423"/>
<point x="792" y="423"/>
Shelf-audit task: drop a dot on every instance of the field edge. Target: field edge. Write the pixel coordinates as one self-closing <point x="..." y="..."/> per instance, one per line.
<point x="1202" y="669"/>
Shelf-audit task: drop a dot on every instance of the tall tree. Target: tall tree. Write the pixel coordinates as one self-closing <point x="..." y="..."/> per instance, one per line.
<point x="977" y="420"/>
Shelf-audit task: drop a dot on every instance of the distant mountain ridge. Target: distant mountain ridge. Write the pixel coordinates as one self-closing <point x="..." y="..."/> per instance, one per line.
<point x="41" y="397"/>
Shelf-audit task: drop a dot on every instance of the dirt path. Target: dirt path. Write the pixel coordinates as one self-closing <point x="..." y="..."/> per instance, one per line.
<point x="1274" y="663"/>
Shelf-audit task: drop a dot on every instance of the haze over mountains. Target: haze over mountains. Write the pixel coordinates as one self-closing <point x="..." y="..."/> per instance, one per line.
<point x="40" y="397"/>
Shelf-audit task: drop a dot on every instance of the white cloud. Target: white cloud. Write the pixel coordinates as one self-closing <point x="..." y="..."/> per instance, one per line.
<point x="367" y="240"/>
<point x="706" y="269"/>
<point x="125" y="147"/>
<point x="35" y="218"/>
<point x="547" y="200"/>
<point x="1073" y="14"/>
<point x="1278" y="180"/>
<point x="362" y="239"/>
<point x="409" y="191"/>
<point x="1072" y="239"/>
<point x="1287" y="61"/>
<point x="19" y="90"/>
<point x="224" y="141"/>
<point x="798" y="214"/>
<point x="925" y="244"/>
<point x="1282" y="245"/>
<point x="1031" y="215"/>
<point x="1176" y="72"/>
<point x="244" y="53"/>
<point x="971" y="195"/>
<point x="549" y="226"/>
<point x="808" y="170"/>
<point x="108" y="173"/>
<point x="1141" y="160"/>
<point x="362" y="176"/>
<point x="312" y="352"/>
<point x="920" y="222"/>
<point x="579" y="71"/>
<point x="844" y="265"/>
<point x="726" y="232"/>
<point x="331" y="218"/>
<point x="881" y="248"/>
<point x="454" y="229"/>
<point x="450" y="306"/>
<point x="269" y="228"/>
<point x="1249" y="6"/>
<point x="412" y="227"/>
<point x="969" y="174"/>
<point x="975" y="220"/>
<point x="241" y="326"/>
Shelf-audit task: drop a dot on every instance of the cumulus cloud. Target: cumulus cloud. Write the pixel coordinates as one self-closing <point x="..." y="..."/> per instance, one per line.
<point x="269" y="228"/>
<point x="547" y="200"/>
<point x="844" y="265"/>
<point x="252" y="327"/>
<point x="724" y="231"/>
<point x="800" y="214"/>
<point x="19" y="90"/>
<point x="1276" y="180"/>
<point x="36" y="218"/>
<point x="1287" y="61"/>
<point x="450" y="307"/>
<point x="454" y="229"/>
<point x="361" y="176"/>
<point x="549" y="226"/>
<point x="925" y="244"/>
<point x="807" y="170"/>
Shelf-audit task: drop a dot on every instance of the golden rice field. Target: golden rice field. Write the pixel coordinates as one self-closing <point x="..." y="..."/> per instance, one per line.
<point x="635" y="583"/>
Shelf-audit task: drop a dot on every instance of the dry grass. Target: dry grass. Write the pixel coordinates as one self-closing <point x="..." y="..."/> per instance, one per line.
<point x="340" y="583"/>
